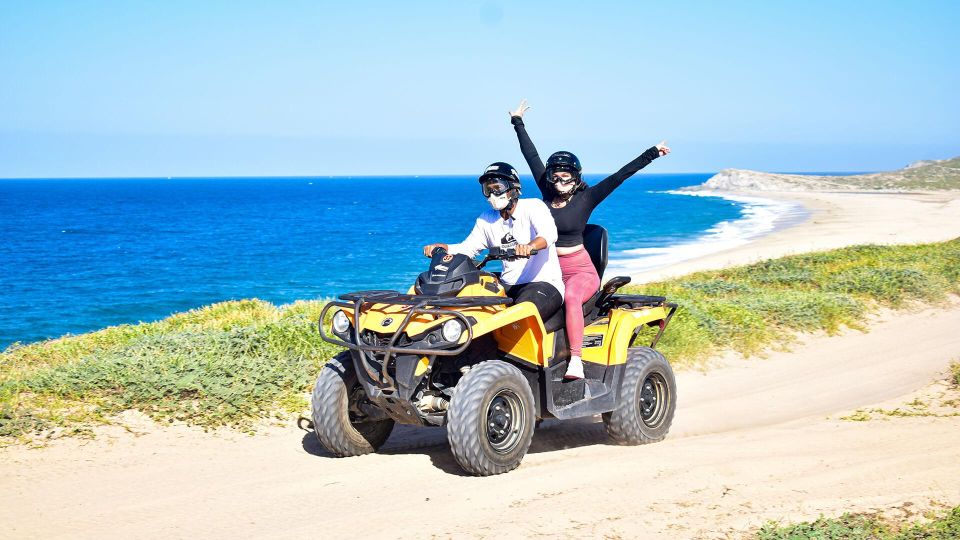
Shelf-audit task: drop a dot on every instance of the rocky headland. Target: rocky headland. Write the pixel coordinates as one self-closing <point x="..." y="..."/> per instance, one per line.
<point x="920" y="176"/>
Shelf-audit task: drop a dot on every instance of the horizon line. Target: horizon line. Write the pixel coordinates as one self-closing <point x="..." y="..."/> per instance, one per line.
<point x="433" y="175"/>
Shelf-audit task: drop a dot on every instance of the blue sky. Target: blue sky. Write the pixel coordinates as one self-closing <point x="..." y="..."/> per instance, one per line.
<point x="185" y="88"/>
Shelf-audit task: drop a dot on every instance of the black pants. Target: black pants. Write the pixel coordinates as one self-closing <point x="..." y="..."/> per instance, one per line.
<point x="543" y="295"/>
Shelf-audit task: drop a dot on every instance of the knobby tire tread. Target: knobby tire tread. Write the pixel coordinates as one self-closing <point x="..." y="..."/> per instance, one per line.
<point x="624" y="424"/>
<point x="330" y="417"/>
<point x="468" y="403"/>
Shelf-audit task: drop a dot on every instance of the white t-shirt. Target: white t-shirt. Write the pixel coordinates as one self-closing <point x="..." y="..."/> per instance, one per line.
<point x="531" y="218"/>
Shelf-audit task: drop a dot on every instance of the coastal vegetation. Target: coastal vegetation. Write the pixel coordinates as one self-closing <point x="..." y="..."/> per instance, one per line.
<point x="920" y="176"/>
<point x="749" y="308"/>
<point x="936" y="526"/>
<point x="237" y="363"/>
<point x="941" y="400"/>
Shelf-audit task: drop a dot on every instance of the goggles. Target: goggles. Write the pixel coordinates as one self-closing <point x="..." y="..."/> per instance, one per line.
<point x="495" y="186"/>
<point x="554" y="176"/>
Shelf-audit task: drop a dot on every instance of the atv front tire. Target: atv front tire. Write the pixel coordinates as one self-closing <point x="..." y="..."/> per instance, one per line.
<point x="339" y="425"/>
<point x="647" y="401"/>
<point x="491" y="419"/>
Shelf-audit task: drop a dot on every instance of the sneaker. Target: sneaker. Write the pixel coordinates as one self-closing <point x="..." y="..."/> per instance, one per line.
<point x="574" y="368"/>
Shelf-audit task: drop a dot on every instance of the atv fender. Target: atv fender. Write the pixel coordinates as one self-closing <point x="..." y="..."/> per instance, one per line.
<point x="624" y="326"/>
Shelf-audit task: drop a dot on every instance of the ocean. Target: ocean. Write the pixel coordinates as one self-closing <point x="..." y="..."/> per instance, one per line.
<point x="81" y="254"/>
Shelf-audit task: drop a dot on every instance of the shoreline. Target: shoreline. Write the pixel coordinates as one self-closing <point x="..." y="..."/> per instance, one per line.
<point x="759" y="216"/>
<point x="833" y="220"/>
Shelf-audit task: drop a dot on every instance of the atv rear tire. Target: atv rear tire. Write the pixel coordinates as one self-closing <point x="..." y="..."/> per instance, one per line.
<point x="491" y="419"/>
<point x="336" y="422"/>
<point x="647" y="401"/>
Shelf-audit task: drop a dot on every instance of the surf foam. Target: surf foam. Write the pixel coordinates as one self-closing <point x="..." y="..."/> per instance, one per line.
<point x="758" y="217"/>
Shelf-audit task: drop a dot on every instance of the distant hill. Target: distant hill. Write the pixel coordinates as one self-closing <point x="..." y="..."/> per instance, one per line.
<point x="922" y="175"/>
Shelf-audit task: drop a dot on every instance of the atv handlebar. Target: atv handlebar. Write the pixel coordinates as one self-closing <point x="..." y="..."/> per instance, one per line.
<point x="499" y="254"/>
<point x="494" y="254"/>
<point x="508" y="253"/>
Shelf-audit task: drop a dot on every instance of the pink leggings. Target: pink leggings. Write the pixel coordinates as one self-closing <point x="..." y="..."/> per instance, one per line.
<point x="580" y="281"/>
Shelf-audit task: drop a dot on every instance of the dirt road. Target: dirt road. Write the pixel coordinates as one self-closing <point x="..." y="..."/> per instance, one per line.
<point x="756" y="440"/>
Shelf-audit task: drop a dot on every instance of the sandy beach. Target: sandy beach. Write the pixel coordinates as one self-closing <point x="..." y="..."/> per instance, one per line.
<point x="753" y="440"/>
<point x="837" y="219"/>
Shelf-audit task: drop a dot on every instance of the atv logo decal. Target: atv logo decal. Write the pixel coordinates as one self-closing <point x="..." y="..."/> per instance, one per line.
<point x="387" y="322"/>
<point x="447" y="258"/>
<point x="441" y="268"/>
<point x="592" y="341"/>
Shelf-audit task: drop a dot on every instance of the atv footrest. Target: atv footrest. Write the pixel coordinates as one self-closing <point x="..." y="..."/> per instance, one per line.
<point x="570" y="392"/>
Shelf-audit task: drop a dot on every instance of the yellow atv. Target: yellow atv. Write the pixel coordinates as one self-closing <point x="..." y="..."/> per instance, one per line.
<point x="455" y="352"/>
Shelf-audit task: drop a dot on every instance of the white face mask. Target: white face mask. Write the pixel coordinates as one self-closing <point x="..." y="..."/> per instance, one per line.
<point x="499" y="202"/>
<point x="564" y="188"/>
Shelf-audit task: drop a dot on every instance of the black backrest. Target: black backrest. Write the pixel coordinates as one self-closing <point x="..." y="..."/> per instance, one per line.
<point x="595" y="241"/>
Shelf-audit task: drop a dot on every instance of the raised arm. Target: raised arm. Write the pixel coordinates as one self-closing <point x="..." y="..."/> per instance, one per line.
<point x="605" y="187"/>
<point x="527" y="148"/>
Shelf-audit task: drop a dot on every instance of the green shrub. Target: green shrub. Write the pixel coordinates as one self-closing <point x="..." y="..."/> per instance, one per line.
<point x="805" y="311"/>
<point x="780" y="272"/>
<point x="227" y="364"/>
<point x="846" y="527"/>
<point x="715" y="288"/>
<point x="892" y="284"/>
<point x="945" y="526"/>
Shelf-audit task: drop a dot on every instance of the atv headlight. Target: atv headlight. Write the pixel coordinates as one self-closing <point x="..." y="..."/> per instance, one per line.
<point x="340" y="322"/>
<point x="452" y="330"/>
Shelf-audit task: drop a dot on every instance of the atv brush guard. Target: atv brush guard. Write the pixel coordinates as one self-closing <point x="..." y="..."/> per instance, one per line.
<point x="419" y="304"/>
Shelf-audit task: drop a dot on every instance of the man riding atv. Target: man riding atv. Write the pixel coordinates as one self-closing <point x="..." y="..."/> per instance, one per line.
<point x="524" y="225"/>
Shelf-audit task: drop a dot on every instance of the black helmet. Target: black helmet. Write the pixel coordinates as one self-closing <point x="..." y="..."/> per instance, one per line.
<point x="564" y="161"/>
<point x="504" y="171"/>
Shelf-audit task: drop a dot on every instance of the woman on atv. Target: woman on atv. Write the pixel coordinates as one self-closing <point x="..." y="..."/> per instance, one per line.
<point x="571" y="202"/>
<point x="524" y="225"/>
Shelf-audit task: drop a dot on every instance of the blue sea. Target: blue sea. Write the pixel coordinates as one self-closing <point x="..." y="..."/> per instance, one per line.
<point x="79" y="255"/>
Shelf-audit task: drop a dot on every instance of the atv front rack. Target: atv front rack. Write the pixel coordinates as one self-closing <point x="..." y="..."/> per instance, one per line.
<point x="419" y="304"/>
<point x="394" y="297"/>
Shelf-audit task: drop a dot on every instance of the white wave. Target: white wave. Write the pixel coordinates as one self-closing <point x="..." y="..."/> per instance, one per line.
<point x="758" y="217"/>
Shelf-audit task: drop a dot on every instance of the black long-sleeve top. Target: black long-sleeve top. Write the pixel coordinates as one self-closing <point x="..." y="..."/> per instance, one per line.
<point x="573" y="217"/>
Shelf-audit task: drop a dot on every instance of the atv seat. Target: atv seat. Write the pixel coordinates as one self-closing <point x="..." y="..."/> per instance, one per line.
<point x="595" y="242"/>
